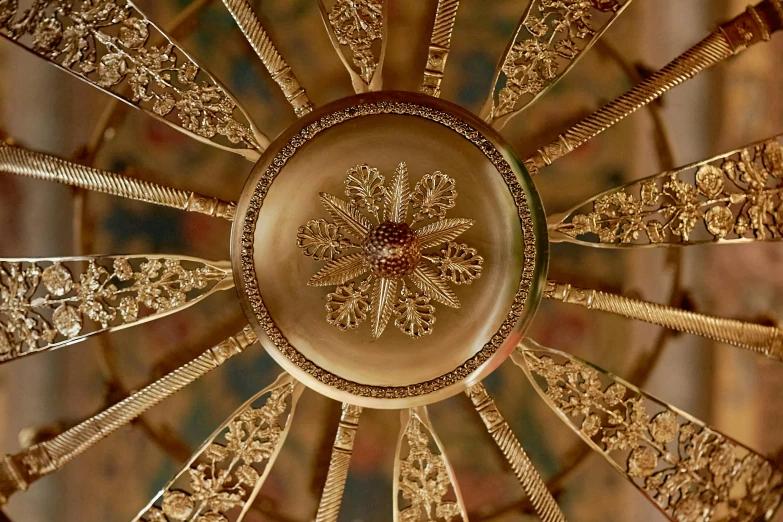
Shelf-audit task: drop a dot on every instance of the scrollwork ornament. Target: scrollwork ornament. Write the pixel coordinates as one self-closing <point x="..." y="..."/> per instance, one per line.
<point x="108" y="44"/>
<point x="48" y="303"/>
<point x="692" y="472"/>
<point x="732" y="198"/>
<point x="357" y="24"/>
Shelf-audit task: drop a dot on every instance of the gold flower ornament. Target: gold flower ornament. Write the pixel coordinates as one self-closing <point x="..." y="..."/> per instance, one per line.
<point x="397" y="257"/>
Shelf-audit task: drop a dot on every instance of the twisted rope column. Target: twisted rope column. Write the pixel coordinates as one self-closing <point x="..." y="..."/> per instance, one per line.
<point x="440" y="44"/>
<point x="755" y="25"/>
<point x="531" y="482"/>
<point x="24" y="162"/>
<point x="18" y="471"/>
<point x="766" y="340"/>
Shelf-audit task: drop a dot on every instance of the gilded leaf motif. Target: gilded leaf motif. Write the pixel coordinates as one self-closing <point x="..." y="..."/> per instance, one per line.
<point x="734" y="197"/>
<point x="459" y="263"/>
<point x="692" y="472"/>
<point x="415" y="314"/>
<point x="364" y="186"/>
<point x="433" y="196"/>
<point x="347" y="307"/>
<point x="226" y="472"/>
<point x="357" y="24"/>
<point x="43" y="309"/>
<point x="320" y="240"/>
<point x="108" y="45"/>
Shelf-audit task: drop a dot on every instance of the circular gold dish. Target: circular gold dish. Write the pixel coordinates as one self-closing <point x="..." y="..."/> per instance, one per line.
<point x="340" y="173"/>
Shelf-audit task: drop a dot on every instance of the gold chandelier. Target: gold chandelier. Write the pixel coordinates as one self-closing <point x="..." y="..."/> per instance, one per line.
<point x="390" y="250"/>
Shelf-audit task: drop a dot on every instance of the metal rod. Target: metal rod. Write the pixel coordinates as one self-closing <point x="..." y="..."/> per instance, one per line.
<point x="440" y="45"/>
<point x="755" y="25"/>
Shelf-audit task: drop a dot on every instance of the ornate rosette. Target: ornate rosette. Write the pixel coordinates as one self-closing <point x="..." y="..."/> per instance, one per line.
<point x="534" y="251"/>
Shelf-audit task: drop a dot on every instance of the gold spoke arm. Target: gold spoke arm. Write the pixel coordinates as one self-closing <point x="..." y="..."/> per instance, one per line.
<point x="423" y="477"/>
<point x="731" y="198"/>
<point x="49" y="303"/>
<point x="440" y="45"/>
<point x="118" y="50"/>
<point x="353" y="26"/>
<point x="766" y="340"/>
<point x="24" y="162"/>
<point x="19" y="471"/>
<point x="232" y="464"/>
<point x="332" y="496"/>
<point x="262" y="44"/>
<point x="548" y="42"/>
<point x="540" y="497"/>
<point x="755" y="25"/>
<point x="687" y="469"/>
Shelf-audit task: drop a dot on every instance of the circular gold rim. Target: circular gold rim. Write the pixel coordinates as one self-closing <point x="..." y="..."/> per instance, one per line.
<point x="532" y="223"/>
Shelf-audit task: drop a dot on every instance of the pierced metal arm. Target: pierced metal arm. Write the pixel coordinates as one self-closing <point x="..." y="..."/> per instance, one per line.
<point x="114" y="48"/>
<point x="48" y="303"/>
<point x="342" y="451"/>
<point x="766" y="340"/>
<point x="730" y="199"/>
<point x="227" y="472"/>
<point x="545" y="505"/>
<point x="440" y="45"/>
<point x="19" y="471"/>
<point x="755" y="25"/>
<point x="423" y="478"/>
<point x="24" y="162"/>
<point x="281" y="72"/>
<point x="357" y="24"/>
<point x="550" y="39"/>
<point x="687" y="469"/>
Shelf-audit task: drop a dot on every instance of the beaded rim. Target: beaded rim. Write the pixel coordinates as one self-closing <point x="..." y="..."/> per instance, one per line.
<point x="248" y="283"/>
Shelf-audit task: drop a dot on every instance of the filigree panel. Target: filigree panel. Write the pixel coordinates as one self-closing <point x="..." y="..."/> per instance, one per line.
<point x="691" y="472"/>
<point x="550" y="38"/>
<point x="49" y="303"/>
<point x="734" y="197"/>
<point x="371" y="234"/>
<point x="358" y="31"/>
<point x="113" y="46"/>
<point x="225" y="475"/>
<point x="423" y="478"/>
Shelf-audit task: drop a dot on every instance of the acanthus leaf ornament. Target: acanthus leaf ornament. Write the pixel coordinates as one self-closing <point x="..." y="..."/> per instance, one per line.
<point x="108" y="44"/>
<point x="392" y="251"/>
<point x="735" y="197"/>
<point x="692" y="472"/>
<point x="46" y="303"/>
<point x="226" y="474"/>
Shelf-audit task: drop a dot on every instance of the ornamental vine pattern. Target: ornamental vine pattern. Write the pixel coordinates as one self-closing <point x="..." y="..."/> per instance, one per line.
<point x="552" y="35"/>
<point x="227" y="472"/>
<point x="424" y="478"/>
<point x="108" y="43"/>
<point x="358" y="24"/>
<point x="692" y="472"/>
<point x="399" y="255"/>
<point x="734" y="197"/>
<point x="47" y="303"/>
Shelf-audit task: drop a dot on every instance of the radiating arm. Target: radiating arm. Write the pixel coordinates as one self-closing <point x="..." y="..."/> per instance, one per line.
<point x="535" y="488"/>
<point x="440" y="45"/>
<point x="24" y="162"/>
<point x="422" y="478"/>
<point x="18" y="471"/>
<point x="687" y="469"/>
<point x="549" y="40"/>
<point x="48" y="303"/>
<point x="733" y="198"/>
<point x="356" y="25"/>
<point x="332" y="496"/>
<point x="226" y="474"/>
<point x="112" y="47"/>
<point x="755" y="25"/>
<point x="265" y="49"/>
<point x="766" y="340"/>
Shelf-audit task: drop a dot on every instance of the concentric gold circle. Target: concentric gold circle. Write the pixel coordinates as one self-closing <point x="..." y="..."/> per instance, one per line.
<point x="300" y="180"/>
